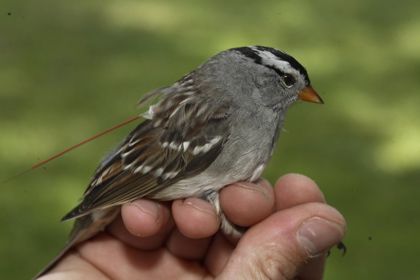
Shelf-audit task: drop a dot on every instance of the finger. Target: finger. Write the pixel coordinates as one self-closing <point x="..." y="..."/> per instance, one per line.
<point x="119" y="230"/>
<point x="246" y="203"/>
<point x="72" y="266"/>
<point x="277" y="247"/>
<point x="295" y="189"/>
<point x="144" y="218"/>
<point x="117" y="260"/>
<point x="187" y="248"/>
<point x="195" y="218"/>
<point x="218" y="254"/>
<point x="313" y="268"/>
<point x="130" y="229"/>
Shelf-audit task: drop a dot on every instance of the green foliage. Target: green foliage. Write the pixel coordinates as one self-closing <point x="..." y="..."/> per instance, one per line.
<point x="72" y="68"/>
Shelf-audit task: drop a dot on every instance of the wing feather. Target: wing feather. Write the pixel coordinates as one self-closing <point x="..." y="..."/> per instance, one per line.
<point x="183" y="135"/>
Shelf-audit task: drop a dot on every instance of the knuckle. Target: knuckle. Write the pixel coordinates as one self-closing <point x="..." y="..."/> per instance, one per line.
<point x="276" y="263"/>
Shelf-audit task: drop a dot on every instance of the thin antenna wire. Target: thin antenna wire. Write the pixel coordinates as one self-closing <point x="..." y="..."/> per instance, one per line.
<point x="57" y="155"/>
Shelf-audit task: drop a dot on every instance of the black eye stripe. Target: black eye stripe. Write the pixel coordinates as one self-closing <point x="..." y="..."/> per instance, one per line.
<point x="279" y="72"/>
<point x="251" y="53"/>
<point x="289" y="80"/>
<point x="284" y="56"/>
<point x="248" y="52"/>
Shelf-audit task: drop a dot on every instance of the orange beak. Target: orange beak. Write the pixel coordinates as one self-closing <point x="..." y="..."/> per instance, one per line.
<point x="309" y="94"/>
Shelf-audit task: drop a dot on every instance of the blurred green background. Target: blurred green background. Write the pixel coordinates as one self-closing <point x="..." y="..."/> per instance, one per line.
<point x="69" y="69"/>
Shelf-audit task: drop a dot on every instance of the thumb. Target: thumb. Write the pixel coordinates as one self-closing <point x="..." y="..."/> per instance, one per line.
<point x="280" y="245"/>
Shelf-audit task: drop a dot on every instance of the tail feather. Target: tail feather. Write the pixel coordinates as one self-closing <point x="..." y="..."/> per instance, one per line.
<point x="54" y="261"/>
<point x="84" y="228"/>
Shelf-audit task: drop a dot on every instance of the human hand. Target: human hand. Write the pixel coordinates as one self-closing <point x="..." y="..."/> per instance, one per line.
<point x="290" y="231"/>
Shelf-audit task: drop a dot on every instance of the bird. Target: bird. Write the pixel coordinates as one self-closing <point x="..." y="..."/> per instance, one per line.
<point x="215" y="126"/>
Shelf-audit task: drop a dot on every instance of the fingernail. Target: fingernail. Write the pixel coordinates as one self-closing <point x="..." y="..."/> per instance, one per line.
<point x="317" y="235"/>
<point x="148" y="207"/>
<point x="200" y="205"/>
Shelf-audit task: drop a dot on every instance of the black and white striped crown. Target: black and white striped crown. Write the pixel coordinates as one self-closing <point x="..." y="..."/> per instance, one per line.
<point x="274" y="59"/>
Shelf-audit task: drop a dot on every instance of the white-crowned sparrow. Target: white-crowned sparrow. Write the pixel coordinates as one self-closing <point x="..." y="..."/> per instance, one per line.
<point x="215" y="126"/>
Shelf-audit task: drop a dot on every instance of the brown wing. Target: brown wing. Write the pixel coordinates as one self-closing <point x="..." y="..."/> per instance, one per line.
<point x="183" y="135"/>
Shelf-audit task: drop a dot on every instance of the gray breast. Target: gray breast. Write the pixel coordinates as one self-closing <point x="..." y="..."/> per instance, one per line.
<point x="250" y="143"/>
<point x="249" y="146"/>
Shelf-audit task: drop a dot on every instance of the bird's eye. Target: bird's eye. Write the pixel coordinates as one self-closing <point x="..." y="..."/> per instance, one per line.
<point x="289" y="80"/>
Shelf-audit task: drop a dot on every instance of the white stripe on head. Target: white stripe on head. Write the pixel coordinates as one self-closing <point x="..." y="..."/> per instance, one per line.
<point x="269" y="59"/>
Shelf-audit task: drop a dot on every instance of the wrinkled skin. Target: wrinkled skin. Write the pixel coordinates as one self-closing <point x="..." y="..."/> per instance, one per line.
<point x="180" y="240"/>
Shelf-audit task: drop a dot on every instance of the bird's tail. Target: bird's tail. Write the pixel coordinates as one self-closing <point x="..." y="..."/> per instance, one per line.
<point x="84" y="228"/>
